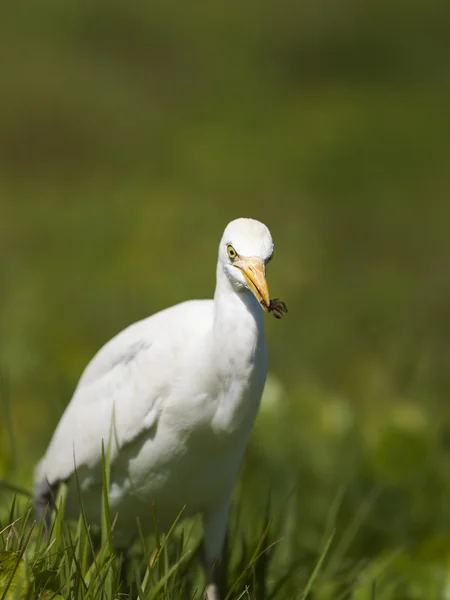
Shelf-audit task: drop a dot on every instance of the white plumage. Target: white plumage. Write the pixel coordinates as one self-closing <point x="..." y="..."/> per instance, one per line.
<point x="179" y="392"/>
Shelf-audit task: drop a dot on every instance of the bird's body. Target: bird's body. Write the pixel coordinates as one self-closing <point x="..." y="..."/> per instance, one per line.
<point x="175" y="397"/>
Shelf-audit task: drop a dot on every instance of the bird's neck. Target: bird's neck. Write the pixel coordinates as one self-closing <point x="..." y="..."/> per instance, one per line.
<point x="238" y="354"/>
<point x="238" y="320"/>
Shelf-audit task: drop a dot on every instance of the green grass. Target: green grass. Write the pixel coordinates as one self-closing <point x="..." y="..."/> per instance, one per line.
<point x="79" y="561"/>
<point x="331" y="504"/>
<point x="74" y="562"/>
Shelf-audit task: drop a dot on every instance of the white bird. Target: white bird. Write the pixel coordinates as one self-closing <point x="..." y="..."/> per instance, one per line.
<point x="178" y="392"/>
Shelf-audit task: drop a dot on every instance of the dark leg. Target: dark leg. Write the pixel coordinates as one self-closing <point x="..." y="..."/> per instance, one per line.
<point x="216" y="588"/>
<point x="216" y="552"/>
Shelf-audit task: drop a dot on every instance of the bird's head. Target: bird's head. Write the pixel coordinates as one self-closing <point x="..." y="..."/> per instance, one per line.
<point x="245" y="249"/>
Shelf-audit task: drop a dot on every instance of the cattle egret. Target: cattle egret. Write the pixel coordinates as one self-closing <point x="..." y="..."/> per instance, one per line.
<point x="174" y="397"/>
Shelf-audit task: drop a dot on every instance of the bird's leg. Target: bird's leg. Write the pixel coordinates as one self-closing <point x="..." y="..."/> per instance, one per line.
<point x="213" y="589"/>
<point x="216" y="587"/>
<point x="44" y="504"/>
<point x="215" y="524"/>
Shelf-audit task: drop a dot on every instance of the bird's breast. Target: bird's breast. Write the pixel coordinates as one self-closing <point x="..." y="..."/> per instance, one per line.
<point x="239" y="388"/>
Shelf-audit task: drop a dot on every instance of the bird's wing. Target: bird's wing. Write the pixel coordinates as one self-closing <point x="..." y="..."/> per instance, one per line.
<point x="122" y="390"/>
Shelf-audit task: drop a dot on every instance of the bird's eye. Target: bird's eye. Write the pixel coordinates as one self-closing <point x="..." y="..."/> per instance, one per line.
<point x="231" y="252"/>
<point x="269" y="258"/>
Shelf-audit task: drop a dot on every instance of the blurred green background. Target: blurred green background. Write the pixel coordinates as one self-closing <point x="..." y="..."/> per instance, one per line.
<point x="130" y="134"/>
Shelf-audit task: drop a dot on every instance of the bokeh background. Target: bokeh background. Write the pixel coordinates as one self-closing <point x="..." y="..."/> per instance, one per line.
<point x="130" y="134"/>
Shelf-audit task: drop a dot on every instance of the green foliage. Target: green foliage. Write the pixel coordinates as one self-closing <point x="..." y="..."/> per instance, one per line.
<point x="11" y="574"/>
<point x="74" y="563"/>
<point x="65" y="567"/>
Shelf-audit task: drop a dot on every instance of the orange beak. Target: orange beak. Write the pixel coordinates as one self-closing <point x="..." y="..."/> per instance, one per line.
<point x="255" y="274"/>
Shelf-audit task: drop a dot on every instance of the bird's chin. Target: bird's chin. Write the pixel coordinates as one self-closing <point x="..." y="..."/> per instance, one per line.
<point x="237" y="278"/>
<point x="259" y="299"/>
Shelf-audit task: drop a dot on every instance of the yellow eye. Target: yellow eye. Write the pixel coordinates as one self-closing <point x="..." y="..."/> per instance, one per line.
<point x="231" y="251"/>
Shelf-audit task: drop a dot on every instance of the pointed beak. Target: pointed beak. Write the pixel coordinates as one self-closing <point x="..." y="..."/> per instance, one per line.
<point x="255" y="274"/>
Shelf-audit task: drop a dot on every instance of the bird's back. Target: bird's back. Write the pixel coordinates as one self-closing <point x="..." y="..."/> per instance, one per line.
<point x="122" y="391"/>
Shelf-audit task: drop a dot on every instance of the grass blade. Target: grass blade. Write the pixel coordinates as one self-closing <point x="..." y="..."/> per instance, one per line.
<point x="317" y="568"/>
